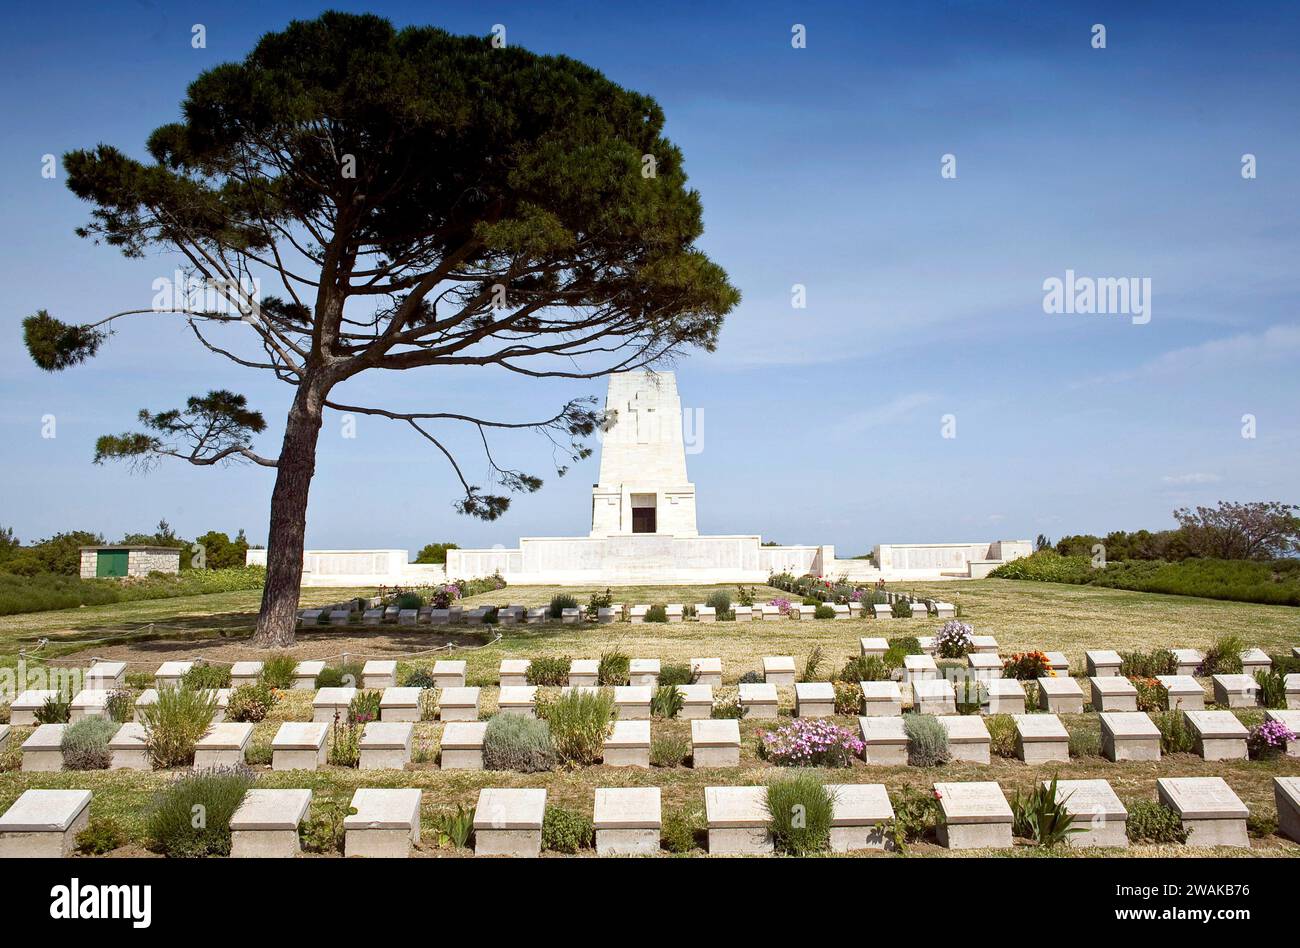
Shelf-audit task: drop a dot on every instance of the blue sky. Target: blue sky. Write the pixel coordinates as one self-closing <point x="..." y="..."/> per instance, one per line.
<point x="817" y="166"/>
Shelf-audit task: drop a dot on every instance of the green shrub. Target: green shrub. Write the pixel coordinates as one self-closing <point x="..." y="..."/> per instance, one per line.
<point x="559" y="604"/>
<point x="102" y="835"/>
<point x="1272" y="688"/>
<point x="420" y="676"/>
<point x="202" y="675"/>
<point x="120" y="706"/>
<point x="1147" y="664"/>
<point x="656" y="613"/>
<point x="669" y="750"/>
<point x="800" y="810"/>
<point x="85" y="744"/>
<point x="848" y="698"/>
<point x="613" y="669"/>
<point x="259" y="753"/>
<point x="1261" y="825"/>
<point x="1037" y="815"/>
<point x="1223" y="657"/>
<point x="250" y="703"/>
<point x="812" y="665"/>
<point x="564" y="831"/>
<point x="751" y="678"/>
<point x="174" y="724"/>
<point x="322" y="831"/>
<point x="901" y="647"/>
<point x="548" y="671"/>
<point x="579" y="721"/>
<point x="514" y="742"/>
<point x="677" y="673"/>
<point x="1047" y="566"/>
<point x="916" y="816"/>
<point x="364" y="706"/>
<point x="348" y="675"/>
<point x="720" y="601"/>
<point x="1176" y="736"/>
<point x="277" y="670"/>
<point x="600" y="601"/>
<point x="683" y="830"/>
<point x="39" y="591"/>
<point x="927" y="740"/>
<point x="902" y="609"/>
<point x="55" y="710"/>
<point x="191" y="817"/>
<point x="345" y="743"/>
<point x="726" y="704"/>
<point x="666" y="702"/>
<point x="823" y="612"/>
<point x="454" y="826"/>
<point x="409" y="600"/>
<point x="1152" y="822"/>
<point x="1002" y="735"/>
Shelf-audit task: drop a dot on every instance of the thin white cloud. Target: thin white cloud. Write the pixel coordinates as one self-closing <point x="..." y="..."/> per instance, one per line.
<point x="1274" y="343"/>
<point x="1196" y="477"/>
<point x="890" y="412"/>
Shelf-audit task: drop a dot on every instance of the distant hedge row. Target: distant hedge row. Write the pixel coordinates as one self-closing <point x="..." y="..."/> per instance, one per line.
<point x="46" y="591"/>
<point x="1276" y="582"/>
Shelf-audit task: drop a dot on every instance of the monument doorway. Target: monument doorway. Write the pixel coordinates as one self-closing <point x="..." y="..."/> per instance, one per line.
<point x="643" y="513"/>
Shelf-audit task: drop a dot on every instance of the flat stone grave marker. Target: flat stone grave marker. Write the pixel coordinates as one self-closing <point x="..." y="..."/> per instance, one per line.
<point x="1005" y="696"/>
<point x="759" y="700"/>
<point x="4" y="736"/>
<point x="715" y="743"/>
<point x="223" y="746"/>
<point x="880" y="610"/>
<point x="1041" y="738"/>
<point x="513" y="672"/>
<point x="508" y="822"/>
<point x="984" y="645"/>
<point x="1129" y="735"/>
<point x="628" y="744"/>
<point x="43" y="749"/>
<point x="627" y="821"/>
<point x="1292" y="683"/>
<point x="1185" y="692"/>
<point x="632" y="702"/>
<point x="858" y="811"/>
<point x="266" y="824"/>
<point x="129" y="748"/>
<point x="873" y="645"/>
<point x="1236" y="691"/>
<point x="697" y="701"/>
<point x="968" y="737"/>
<point x="400" y="704"/>
<point x="738" y="820"/>
<point x="1096" y="810"/>
<point x="1286" y="794"/>
<point x="1060" y="695"/>
<point x="584" y="673"/>
<point x="1288" y="719"/>
<point x="458" y="704"/>
<point x="299" y="745"/>
<point x="1255" y="659"/>
<point x="705" y="613"/>
<point x="934" y="697"/>
<point x="708" y="671"/>
<point x="881" y="699"/>
<point x="518" y="699"/>
<point x="919" y="668"/>
<point x="106" y="675"/>
<point x="778" y="670"/>
<point x="1102" y="663"/>
<point x="1187" y="660"/>
<point x="331" y="701"/>
<point x="449" y="674"/>
<point x="245" y="673"/>
<point x="1058" y="663"/>
<point x="462" y="745"/>
<point x="814" y="699"/>
<point x="1218" y="734"/>
<point x="386" y="745"/>
<point x="743" y="613"/>
<point x="386" y="823"/>
<point x="643" y="672"/>
<point x="88" y="703"/>
<point x="22" y="710"/>
<point x="43" y="824"/>
<point x="379" y="674"/>
<point x="984" y="666"/>
<point x="1113" y="693"/>
<point x="372" y="617"/>
<point x="884" y="741"/>
<point x="169" y="674"/>
<point x="976" y="815"/>
<point x="1211" y="812"/>
<point x="147" y="697"/>
<point x="304" y="675"/>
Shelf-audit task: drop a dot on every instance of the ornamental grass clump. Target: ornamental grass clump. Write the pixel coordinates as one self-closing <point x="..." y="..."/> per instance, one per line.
<point x="1272" y="688"/>
<point x="613" y="669"/>
<point x="955" y="639"/>
<point x="277" y="671"/>
<point x="174" y="724"/>
<point x="677" y="673"/>
<point x="1041" y="817"/>
<point x="1268" y="740"/>
<point x="579" y="721"/>
<point x="800" y="810"/>
<point x="810" y="742"/>
<point x="120" y="706"/>
<point x="559" y="604"/>
<point x="85" y="744"/>
<point x="927" y="741"/>
<point x="172" y="825"/>
<point x="514" y="742"/>
<point x="548" y="671"/>
<point x="666" y="702"/>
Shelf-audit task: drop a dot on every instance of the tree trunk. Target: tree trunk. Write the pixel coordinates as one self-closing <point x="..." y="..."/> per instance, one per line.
<point x="278" y="617"/>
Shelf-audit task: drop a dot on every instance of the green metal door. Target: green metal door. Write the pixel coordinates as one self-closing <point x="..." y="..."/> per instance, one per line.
<point x="111" y="562"/>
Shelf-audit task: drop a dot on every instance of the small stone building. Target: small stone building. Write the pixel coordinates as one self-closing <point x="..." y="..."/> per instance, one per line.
<point x="113" y="561"/>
